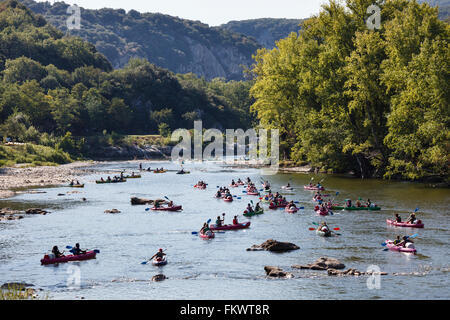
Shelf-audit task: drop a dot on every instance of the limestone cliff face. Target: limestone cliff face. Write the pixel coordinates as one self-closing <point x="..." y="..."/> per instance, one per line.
<point x="215" y="61"/>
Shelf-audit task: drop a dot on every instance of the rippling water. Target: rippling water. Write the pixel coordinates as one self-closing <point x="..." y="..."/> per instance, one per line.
<point x="221" y="268"/>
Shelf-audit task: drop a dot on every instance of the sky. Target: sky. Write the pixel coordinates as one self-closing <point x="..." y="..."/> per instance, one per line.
<point x="212" y="12"/>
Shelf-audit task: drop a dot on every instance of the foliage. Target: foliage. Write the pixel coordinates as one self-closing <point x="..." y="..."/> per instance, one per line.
<point x="348" y="98"/>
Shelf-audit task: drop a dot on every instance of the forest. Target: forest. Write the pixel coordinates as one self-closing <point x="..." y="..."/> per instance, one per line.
<point x="348" y="98"/>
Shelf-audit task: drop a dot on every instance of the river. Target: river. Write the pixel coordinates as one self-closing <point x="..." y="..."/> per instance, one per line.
<point x="222" y="268"/>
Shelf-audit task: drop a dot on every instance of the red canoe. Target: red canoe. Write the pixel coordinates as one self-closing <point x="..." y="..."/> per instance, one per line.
<point x="404" y="224"/>
<point x="280" y="205"/>
<point x="86" y="256"/>
<point x="322" y="213"/>
<point x="231" y="226"/>
<point x="173" y="208"/>
<point x="291" y="210"/>
<point x="229" y="199"/>
<point x="200" y="187"/>
<point x="209" y="235"/>
<point x="313" y="188"/>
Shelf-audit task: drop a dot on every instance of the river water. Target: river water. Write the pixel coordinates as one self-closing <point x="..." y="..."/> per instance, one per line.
<point x="222" y="268"/>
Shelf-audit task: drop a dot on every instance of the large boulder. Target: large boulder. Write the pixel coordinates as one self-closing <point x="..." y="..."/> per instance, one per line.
<point x="35" y="211"/>
<point x="276" y="272"/>
<point x="275" y="246"/>
<point x="159" y="277"/>
<point x="323" y="263"/>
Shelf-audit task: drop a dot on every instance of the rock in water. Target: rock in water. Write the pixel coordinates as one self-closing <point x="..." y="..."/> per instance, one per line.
<point x="275" y="246"/>
<point x="275" y="272"/>
<point x="159" y="277"/>
<point x="323" y="263"/>
<point x="36" y="211"/>
<point x="112" y="211"/>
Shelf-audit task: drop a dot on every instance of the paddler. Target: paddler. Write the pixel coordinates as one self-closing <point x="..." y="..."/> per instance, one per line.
<point x="220" y="221"/>
<point x="405" y="241"/>
<point x="249" y="208"/>
<point x="239" y="181"/>
<point x="235" y="220"/>
<point x="412" y="218"/>
<point x="257" y="207"/>
<point x="56" y="252"/>
<point x="398" y="218"/>
<point x="76" y="250"/>
<point x="397" y="241"/>
<point x="232" y="182"/>
<point x="160" y="254"/>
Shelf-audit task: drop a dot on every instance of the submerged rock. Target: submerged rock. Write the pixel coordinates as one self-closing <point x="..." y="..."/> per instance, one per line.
<point x="323" y="263"/>
<point x="112" y="211"/>
<point x="159" y="277"/>
<point x="276" y="272"/>
<point x="137" y="201"/>
<point x="352" y="272"/>
<point x="274" y="245"/>
<point x="16" y="285"/>
<point x="36" y="211"/>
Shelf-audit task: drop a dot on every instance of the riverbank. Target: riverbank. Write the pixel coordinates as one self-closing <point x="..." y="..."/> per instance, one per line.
<point x="15" y="178"/>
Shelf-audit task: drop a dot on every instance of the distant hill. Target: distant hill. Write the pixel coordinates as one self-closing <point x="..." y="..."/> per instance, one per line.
<point x="444" y="7"/>
<point x="179" y="45"/>
<point x="266" y="30"/>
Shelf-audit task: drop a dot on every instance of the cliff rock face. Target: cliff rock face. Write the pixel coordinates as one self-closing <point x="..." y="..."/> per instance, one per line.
<point x="180" y="45"/>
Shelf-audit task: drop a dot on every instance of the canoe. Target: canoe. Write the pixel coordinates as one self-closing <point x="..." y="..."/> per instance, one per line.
<point x="229" y="199"/>
<point x="173" y="208"/>
<point x="234" y="185"/>
<point x="132" y="177"/>
<point x="356" y="208"/>
<point x="404" y="224"/>
<point x="275" y="206"/>
<point x="292" y="210"/>
<point x="391" y="246"/>
<point x="253" y="193"/>
<point x="200" y="187"/>
<point x="112" y="181"/>
<point x="240" y="183"/>
<point x="159" y="261"/>
<point x="313" y="188"/>
<point x="183" y="172"/>
<point x="208" y="235"/>
<point x="77" y="185"/>
<point x="160" y="171"/>
<point x="231" y="226"/>
<point x="254" y="213"/>
<point x="287" y="188"/>
<point x="322" y="213"/>
<point x="323" y="233"/>
<point x="80" y="257"/>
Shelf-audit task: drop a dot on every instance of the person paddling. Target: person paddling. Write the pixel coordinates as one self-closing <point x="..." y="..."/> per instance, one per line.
<point x="77" y="251"/>
<point x="219" y="222"/>
<point x="56" y="252"/>
<point x="159" y="255"/>
<point x="412" y="218"/>
<point x="249" y="208"/>
<point x="257" y="207"/>
<point x="398" y="218"/>
<point x="235" y="220"/>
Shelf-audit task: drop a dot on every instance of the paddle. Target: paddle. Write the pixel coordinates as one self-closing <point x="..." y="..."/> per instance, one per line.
<point x="145" y="262"/>
<point x="196" y="232"/>
<point x="96" y="250"/>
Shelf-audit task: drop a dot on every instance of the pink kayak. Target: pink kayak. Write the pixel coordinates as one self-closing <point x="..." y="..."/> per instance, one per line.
<point x="80" y="257"/>
<point x="200" y="187"/>
<point x="275" y="206"/>
<point x="234" y="185"/>
<point x="231" y="226"/>
<point x="253" y="193"/>
<point x="173" y="208"/>
<point x="229" y="199"/>
<point x="321" y="212"/>
<point x="313" y="188"/>
<point x="208" y="235"/>
<point x="291" y="210"/>
<point x="405" y="224"/>
<point x="391" y="246"/>
<point x="159" y="261"/>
